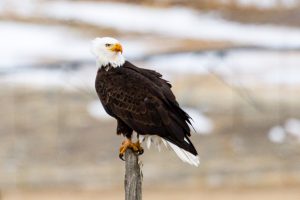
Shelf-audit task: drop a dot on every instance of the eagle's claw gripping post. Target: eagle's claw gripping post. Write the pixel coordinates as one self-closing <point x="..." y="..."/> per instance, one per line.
<point x="139" y="147"/>
<point x="136" y="147"/>
<point x="121" y="156"/>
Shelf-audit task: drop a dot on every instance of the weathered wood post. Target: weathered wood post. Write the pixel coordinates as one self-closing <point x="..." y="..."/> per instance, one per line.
<point x="133" y="176"/>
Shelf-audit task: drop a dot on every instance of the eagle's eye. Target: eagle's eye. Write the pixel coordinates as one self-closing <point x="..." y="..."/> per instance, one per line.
<point x="107" y="45"/>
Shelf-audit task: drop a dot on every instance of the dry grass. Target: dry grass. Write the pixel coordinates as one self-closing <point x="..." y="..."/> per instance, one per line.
<point x="159" y="194"/>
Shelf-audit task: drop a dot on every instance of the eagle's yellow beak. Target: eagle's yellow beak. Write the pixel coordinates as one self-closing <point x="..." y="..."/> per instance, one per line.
<point x="117" y="48"/>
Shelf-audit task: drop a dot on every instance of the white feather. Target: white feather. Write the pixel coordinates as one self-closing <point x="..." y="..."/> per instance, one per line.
<point x="187" y="141"/>
<point x="141" y="138"/>
<point x="157" y="142"/>
<point x="184" y="155"/>
<point x="158" y="147"/>
<point x="149" y="142"/>
<point x="164" y="142"/>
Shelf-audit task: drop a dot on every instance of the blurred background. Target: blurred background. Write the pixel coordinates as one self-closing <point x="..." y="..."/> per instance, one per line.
<point x="234" y="66"/>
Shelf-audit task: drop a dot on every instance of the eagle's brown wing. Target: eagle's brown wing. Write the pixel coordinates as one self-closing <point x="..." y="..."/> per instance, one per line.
<point x="145" y="102"/>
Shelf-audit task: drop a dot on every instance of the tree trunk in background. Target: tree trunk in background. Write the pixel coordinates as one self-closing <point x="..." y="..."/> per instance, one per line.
<point x="133" y="176"/>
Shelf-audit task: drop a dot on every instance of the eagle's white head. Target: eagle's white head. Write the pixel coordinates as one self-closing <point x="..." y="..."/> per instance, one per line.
<point x="107" y="50"/>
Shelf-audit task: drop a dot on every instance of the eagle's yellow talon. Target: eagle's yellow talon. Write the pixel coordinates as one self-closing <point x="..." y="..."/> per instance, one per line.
<point x="139" y="147"/>
<point x="136" y="147"/>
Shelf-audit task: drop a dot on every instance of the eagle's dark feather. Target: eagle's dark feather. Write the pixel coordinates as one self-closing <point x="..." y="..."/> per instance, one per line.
<point x="142" y="101"/>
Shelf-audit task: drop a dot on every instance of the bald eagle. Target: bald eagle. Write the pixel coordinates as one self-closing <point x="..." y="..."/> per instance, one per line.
<point x="141" y="101"/>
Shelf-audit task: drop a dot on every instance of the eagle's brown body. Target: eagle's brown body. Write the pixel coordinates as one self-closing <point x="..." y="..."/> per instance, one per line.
<point x="142" y="101"/>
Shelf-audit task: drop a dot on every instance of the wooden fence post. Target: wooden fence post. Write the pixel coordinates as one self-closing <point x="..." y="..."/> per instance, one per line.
<point x="133" y="176"/>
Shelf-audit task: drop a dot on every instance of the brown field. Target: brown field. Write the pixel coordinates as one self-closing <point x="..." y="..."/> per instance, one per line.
<point x="159" y="194"/>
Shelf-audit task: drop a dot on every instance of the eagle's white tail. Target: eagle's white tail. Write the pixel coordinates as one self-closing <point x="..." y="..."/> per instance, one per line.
<point x="184" y="155"/>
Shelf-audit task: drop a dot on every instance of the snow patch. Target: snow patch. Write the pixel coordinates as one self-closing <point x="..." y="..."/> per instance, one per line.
<point x="267" y="4"/>
<point x="25" y="44"/>
<point x="235" y="66"/>
<point x="24" y="7"/>
<point x="189" y="23"/>
<point x="201" y="123"/>
<point x="96" y="110"/>
<point x="292" y="127"/>
<point x="277" y="134"/>
<point x="78" y="80"/>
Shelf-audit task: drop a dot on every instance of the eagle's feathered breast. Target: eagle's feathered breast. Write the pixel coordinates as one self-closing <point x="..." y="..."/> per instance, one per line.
<point x="142" y="100"/>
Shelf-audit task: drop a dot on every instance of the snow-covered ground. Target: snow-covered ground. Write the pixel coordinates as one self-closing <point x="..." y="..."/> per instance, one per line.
<point x="25" y="47"/>
<point x="80" y="80"/>
<point x="96" y="110"/>
<point x="24" y="7"/>
<point x="173" y="22"/>
<point x="29" y="44"/>
<point x="236" y="67"/>
<point x="277" y="134"/>
<point x="292" y="126"/>
<point x="263" y="4"/>
<point x="25" y="44"/>
<point x="178" y="22"/>
<point x="248" y="66"/>
<point x="290" y="129"/>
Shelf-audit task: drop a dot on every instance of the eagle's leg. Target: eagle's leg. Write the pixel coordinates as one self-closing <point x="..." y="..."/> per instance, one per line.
<point x="122" y="128"/>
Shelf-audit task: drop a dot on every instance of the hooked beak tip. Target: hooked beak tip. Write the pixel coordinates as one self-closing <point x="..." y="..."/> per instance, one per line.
<point x="117" y="48"/>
